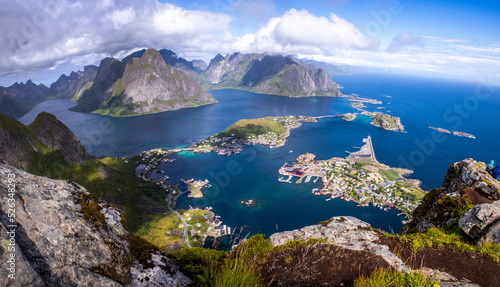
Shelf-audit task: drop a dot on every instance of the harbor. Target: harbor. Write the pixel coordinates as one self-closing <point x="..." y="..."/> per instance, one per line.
<point x="359" y="178"/>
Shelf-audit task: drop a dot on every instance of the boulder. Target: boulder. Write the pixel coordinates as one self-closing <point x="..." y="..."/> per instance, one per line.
<point x="347" y="232"/>
<point x="482" y="222"/>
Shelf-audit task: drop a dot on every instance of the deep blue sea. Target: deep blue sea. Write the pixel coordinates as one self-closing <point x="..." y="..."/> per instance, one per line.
<point x="420" y="102"/>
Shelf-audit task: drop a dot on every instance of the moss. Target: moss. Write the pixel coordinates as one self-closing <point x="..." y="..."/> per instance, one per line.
<point x="141" y="250"/>
<point x="91" y="210"/>
<point x="325" y="223"/>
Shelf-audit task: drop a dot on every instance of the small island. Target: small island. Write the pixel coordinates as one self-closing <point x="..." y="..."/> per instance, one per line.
<point x="269" y="131"/>
<point x="387" y="122"/>
<point x="348" y="117"/>
<point x="195" y="187"/>
<point x="359" y="178"/>
<point x="455" y="133"/>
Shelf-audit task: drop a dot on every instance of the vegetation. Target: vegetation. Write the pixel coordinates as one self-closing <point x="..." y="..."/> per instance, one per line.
<point x="115" y="181"/>
<point x="254" y="127"/>
<point x="394" y="279"/>
<point x="389" y="174"/>
<point x="438" y="237"/>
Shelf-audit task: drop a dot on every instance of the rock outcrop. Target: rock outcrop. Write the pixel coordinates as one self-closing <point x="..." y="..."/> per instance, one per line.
<point x="63" y="236"/>
<point x="262" y="73"/>
<point x="347" y="232"/>
<point x="482" y="222"/>
<point x="141" y="85"/>
<point x="36" y="147"/>
<point x="469" y="196"/>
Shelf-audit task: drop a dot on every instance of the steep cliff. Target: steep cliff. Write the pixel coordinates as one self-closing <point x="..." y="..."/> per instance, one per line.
<point x="43" y="147"/>
<point x="469" y="198"/>
<point x="141" y="85"/>
<point x="73" y="86"/>
<point x="263" y="73"/>
<point x="64" y="236"/>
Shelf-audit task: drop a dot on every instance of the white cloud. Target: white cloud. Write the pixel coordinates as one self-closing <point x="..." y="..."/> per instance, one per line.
<point x="38" y="37"/>
<point x="403" y="40"/>
<point x="68" y="33"/>
<point x="301" y="31"/>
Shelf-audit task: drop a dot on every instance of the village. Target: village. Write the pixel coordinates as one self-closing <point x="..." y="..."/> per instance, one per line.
<point x="356" y="180"/>
<point x="177" y="227"/>
<point x="246" y="132"/>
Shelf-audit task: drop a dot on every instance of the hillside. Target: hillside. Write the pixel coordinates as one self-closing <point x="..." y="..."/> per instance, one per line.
<point x="10" y="107"/>
<point x="65" y="236"/>
<point x="141" y="85"/>
<point x="453" y="237"/>
<point x="19" y="98"/>
<point x="73" y="86"/>
<point x="44" y="147"/>
<point x="262" y="73"/>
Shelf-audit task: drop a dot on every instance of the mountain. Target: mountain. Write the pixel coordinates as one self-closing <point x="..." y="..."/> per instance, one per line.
<point x="9" y="107"/>
<point x="141" y="85"/>
<point x="72" y="87"/>
<point x="333" y="69"/>
<point x="19" y="98"/>
<point x="65" y="236"/>
<point x="45" y="147"/>
<point x="262" y="73"/>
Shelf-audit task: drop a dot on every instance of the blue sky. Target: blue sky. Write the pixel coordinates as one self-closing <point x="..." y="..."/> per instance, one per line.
<point x="455" y="39"/>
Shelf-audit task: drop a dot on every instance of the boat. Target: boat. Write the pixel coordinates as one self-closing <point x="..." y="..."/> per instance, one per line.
<point x="328" y="199"/>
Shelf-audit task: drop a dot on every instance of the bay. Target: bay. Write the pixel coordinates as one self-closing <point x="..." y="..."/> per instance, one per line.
<point x="420" y="102"/>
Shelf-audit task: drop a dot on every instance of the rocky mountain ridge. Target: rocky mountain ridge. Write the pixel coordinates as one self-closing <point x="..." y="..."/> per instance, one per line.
<point x="72" y="86"/>
<point x="29" y="147"/>
<point x="141" y="85"/>
<point x="270" y="74"/>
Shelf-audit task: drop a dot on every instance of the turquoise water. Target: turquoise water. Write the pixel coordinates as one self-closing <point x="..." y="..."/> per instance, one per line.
<point x="420" y="102"/>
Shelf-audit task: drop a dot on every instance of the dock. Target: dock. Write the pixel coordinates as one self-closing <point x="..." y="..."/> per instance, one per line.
<point x="365" y="152"/>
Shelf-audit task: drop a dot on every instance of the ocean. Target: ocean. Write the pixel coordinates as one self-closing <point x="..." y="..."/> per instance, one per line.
<point x="420" y="102"/>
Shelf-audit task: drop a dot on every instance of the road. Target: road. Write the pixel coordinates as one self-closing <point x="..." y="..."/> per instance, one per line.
<point x="186" y="236"/>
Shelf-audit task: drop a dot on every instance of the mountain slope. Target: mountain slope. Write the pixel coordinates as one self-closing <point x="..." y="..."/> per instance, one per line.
<point x="9" y="107"/>
<point x="141" y="86"/>
<point x="268" y="74"/>
<point x="73" y="86"/>
<point x="67" y="237"/>
<point x="45" y="147"/>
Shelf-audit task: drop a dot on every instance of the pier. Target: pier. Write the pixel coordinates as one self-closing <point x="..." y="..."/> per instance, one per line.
<point x="365" y="152"/>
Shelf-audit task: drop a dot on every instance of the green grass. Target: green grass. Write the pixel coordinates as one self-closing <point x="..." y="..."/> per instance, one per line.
<point x="116" y="182"/>
<point x="253" y="127"/>
<point x="394" y="279"/>
<point x="389" y="174"/>
<point x="208" y="267"/>
<point x="438" y="238"/>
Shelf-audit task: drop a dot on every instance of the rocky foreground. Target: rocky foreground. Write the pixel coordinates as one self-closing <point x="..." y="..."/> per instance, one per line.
<point x="66" y="237"/>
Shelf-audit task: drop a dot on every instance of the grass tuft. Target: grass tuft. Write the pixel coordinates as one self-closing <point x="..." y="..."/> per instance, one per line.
<point x="394" y="279"/>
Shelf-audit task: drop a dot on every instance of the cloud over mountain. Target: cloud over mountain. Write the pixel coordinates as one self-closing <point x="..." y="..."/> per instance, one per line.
<point x="302" y="32"/>
<point x="44" y="34"/>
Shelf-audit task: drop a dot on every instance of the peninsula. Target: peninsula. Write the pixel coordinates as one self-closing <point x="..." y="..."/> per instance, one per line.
<point x="359" y="178"/>
<point x="269" y="131"/>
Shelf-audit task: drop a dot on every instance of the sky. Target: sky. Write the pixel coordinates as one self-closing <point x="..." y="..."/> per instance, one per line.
<point x="40" y="40"/>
